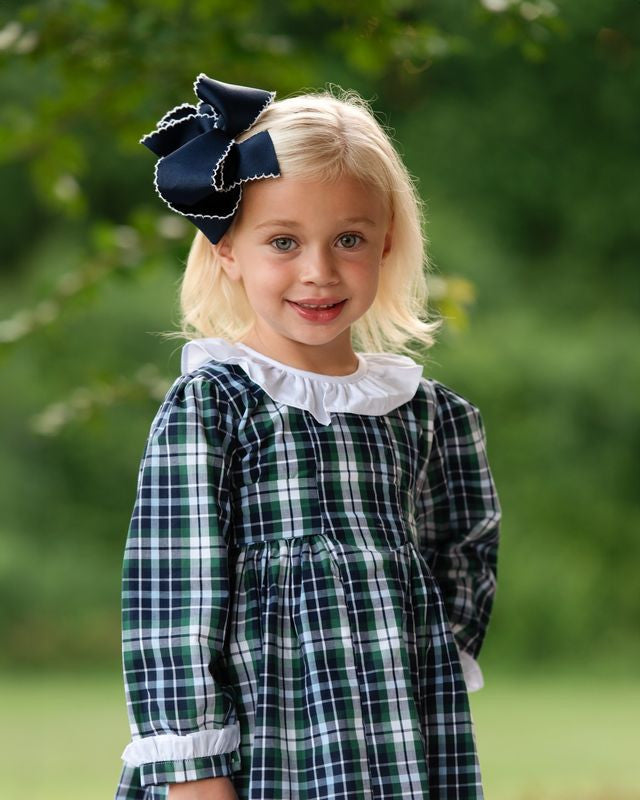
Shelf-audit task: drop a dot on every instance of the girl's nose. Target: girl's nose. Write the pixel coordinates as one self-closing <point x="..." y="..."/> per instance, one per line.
<point x="319" y="266"/>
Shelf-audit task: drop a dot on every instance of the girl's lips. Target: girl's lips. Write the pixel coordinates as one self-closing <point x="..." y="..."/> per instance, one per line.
<point x="318" y="314"/>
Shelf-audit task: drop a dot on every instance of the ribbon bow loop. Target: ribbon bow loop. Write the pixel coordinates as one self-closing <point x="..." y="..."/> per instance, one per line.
<point x="237" y="106"/>
<point x="201" y="167"/>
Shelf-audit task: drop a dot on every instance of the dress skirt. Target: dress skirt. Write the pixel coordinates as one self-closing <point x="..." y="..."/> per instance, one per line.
<point x="347" y="676"/>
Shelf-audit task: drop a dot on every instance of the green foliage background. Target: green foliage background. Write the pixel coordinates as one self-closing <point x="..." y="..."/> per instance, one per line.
<point x="519" y="120"/>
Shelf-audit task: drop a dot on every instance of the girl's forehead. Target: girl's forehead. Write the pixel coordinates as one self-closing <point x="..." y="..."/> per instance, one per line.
<point x="305" y="197"/>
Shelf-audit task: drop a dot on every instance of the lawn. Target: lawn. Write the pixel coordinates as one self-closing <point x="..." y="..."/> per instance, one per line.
<point x="558" y="738"/>
<point x="552" y="738"/>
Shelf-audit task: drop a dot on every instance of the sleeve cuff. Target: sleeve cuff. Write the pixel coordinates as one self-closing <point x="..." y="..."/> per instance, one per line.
<point x="200" y="750"/>
<point x="189" y="769"/>
<point x="472" y="673"/>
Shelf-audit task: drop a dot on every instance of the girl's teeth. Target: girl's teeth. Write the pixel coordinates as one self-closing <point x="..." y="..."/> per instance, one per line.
<point x="304" y="305"/>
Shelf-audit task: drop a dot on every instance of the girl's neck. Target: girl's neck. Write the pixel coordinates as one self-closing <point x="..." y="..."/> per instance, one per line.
<point x="322" y="363"/>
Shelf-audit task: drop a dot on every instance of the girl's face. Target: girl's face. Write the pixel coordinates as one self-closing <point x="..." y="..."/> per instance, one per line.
<point x="297" y="241"/>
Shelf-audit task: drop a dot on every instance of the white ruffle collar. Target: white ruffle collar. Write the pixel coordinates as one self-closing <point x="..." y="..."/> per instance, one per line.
<point x="382" y="382"/>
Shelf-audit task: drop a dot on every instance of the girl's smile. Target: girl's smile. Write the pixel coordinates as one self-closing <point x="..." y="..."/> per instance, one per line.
<point x="318" y="313"/>
<point x="298" y="245"/>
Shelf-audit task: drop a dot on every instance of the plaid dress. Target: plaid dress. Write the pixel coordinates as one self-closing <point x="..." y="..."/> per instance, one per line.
<point x="297" y="596"/>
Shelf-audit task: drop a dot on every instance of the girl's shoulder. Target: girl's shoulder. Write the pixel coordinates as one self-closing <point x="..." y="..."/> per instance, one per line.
<point x="226" y="381"/>
<point x="439" y="406"/>
<point x="213" y="394"/>
<point x="441" y="394"/>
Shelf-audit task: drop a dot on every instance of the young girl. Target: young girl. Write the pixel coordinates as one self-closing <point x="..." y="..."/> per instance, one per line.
<point x="311" y="561"/>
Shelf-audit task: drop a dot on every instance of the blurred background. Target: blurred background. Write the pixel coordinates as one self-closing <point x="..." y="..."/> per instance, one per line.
<point x="520" y="122"/>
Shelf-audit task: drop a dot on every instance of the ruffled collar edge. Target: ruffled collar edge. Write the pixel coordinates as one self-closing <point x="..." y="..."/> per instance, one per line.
<point x="382" y="382"/>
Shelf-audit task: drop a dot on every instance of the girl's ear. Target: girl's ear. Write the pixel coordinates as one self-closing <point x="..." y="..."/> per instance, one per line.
<point x="224" y="249"/>
<point x="388" y="240"/>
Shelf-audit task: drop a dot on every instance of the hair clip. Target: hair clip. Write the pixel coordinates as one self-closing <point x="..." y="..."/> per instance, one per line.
<point x="201" y="167"/>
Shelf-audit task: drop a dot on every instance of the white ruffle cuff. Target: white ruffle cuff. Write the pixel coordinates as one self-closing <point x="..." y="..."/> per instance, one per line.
<point x="382" y="382"/>
<point x="472" y="673"/>
<point x="171" y="747"/>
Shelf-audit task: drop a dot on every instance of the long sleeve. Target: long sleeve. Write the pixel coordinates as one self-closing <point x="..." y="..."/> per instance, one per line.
<point x="176" y="597"/>
<point x="459" y="520"/>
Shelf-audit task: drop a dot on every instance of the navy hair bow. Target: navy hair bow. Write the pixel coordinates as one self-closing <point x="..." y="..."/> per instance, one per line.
<point x="201" y="167"/>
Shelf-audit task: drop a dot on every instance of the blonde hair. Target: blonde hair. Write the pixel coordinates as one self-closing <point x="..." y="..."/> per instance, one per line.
<point x="321" y="136"/>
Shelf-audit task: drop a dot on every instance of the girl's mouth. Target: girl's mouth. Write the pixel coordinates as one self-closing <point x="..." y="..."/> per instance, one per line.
<point x="318" y="314"/>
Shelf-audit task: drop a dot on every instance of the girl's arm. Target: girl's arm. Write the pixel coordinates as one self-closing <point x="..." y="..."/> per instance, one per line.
<point x="459" y="521"/>
<point x="176" y="595"/>
<point x="207" y="789"/>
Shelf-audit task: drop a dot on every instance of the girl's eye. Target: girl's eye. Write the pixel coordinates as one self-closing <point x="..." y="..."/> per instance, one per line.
<point x="350" y="240"/>
<point x="283" y="243"/>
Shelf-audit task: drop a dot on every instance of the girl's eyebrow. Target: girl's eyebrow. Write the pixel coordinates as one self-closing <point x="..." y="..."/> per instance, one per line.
<point x="290" y="223"/>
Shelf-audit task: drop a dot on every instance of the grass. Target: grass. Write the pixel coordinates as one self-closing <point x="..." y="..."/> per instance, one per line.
<point x="558" y="737"/>
<point x="548" y="738"/>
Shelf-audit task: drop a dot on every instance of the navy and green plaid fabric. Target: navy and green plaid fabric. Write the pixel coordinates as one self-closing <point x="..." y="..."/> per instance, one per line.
<point x="312" y="584"/>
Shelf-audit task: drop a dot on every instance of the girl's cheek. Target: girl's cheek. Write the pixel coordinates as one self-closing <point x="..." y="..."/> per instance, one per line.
<point x="276" y="257"/>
